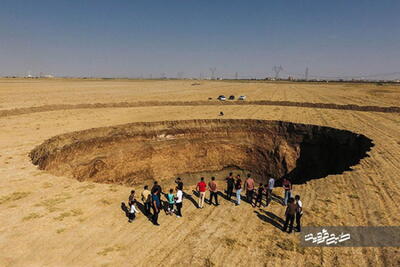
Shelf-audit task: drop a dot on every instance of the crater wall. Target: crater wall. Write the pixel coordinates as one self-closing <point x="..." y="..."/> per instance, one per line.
<point x="137" y="152"/>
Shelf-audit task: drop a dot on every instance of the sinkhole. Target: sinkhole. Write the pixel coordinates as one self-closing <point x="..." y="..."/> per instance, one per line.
<point x="135" y="153"/>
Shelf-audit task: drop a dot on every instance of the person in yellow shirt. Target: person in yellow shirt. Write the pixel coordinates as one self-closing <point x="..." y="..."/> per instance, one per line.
<point x="146" y="199"/>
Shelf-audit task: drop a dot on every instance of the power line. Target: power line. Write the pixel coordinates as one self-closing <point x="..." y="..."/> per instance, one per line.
<point x="341" y="76"/>
<point x="213" y="70"/>
<point x="306" y="74"/>
<point x="277" y="70"/>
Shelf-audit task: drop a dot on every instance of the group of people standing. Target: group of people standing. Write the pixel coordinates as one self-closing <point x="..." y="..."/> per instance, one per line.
<point x="253" y="196"/>
<point x="173" y="204"/>
<point x="152" y="201"/>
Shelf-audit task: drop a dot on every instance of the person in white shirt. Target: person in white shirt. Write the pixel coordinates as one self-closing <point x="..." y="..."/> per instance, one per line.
<point x="299" y="212"/>
<point x="271" y="184"/>
<point x="132" y="211"/>
<point x="178" y="202"/>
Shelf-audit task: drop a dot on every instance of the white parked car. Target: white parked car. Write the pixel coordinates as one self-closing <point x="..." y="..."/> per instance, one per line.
<point x="242" y="97"/>
<point x="222" y="98"/>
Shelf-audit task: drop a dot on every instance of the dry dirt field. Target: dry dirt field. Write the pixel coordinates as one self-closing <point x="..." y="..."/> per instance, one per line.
<point x="48" y="218"/>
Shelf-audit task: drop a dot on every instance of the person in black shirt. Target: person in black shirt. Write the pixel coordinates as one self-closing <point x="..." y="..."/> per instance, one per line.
<point x="156" y="205"/>
<point x="157" y="188"/>
<point x="179" y="183"/>
<point x="260" y="193"/>
<point x="238" y="187"/>
<point x="230" y="183"/>
<point x="290" y="214"/>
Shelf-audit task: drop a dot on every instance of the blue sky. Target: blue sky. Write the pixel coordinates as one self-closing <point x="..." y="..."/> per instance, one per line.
<point x="142" y="38"/>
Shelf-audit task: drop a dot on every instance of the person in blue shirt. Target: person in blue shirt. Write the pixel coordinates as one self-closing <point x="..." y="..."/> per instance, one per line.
<point x="171" y="202"/>
<point x="156" y="205"/>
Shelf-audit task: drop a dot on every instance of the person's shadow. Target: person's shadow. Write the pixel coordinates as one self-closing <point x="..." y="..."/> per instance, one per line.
<point x="278" y="199"/>
<point x="141" y="208"/>
<point x="271" y="219"/>
<point x="190" y="197"/>
<point x="274" y="217"/>
<point x="225" y="196"/>
<point x="222" y="195"/>
<point x="125" y="209"/>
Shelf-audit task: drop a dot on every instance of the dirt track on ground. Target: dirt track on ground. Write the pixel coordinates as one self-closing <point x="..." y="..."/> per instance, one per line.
<point x="48" y="220"/>
<point x="21" y="111"/>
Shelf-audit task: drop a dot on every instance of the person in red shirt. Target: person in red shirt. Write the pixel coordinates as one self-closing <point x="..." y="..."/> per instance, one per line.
<point x="201" y="188"/>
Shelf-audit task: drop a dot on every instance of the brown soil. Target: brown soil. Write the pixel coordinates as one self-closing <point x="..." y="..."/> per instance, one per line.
<point x="134" y="153"/>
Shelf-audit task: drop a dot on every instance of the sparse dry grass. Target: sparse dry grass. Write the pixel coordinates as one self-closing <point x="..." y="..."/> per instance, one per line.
<point x="76" y="212"/>
<point x="113" y="188"/>
<point x="47" y="185"/>
<point x="86" y="187"/>
<point x="60" y="230"/>
<point x="62" y="216"/>
<point x="105" y="201"/>
<point x="115" y="248"/>
<point x="13" y="197"/>
<point x="72" y="213"/>
<point x="32" y="216"/>
<point x="52" y="203"/>
<point x="208" y="262"/>
<point x="229" y="242"/>
<point x="290" y="245"/>
<point x="353" y="196"/>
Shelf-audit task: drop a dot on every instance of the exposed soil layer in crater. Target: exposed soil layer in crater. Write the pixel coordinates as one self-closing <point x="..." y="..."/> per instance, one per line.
<point x="137" y="152"/>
